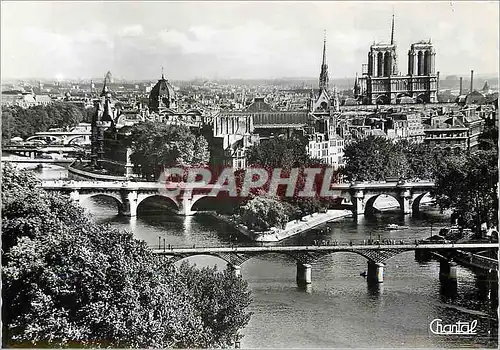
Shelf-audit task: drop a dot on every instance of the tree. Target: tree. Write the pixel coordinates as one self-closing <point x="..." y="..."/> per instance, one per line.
<point x="262" y="213"/>
<point x="69" y="282"/>
<point x="423" y="160"/>
<point x="17" y="121"/>
<point x="155" y="146"/>
<point x="374" y="158"/>
<point x="284" y="153"/>
<point x="469" y="188"/>
<point x="222" y="299"/>
<point x="489" y="137"/>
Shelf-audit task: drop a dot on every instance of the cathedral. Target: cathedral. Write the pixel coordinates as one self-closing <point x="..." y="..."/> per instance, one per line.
<point x="326" y="102"/>
<point x="324" y="142"/>
<point x="382" y="83"/>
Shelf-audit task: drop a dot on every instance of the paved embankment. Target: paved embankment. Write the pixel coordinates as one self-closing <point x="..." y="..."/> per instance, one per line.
<point x="291" y="228"/>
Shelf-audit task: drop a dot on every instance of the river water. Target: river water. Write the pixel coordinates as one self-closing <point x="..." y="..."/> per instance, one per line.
<point x="339" y="309"/>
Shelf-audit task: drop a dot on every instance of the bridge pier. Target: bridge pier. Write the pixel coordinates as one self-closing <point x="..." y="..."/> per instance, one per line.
<point x="185" y="206"/>
<point x="75" y="196"/>
<point x="422" y="255"/>
<point x="406" y="202"/>
<point x="375" y="272"/>
<point x="358" y="202"/>
<point x="447" y="270"/>
<point x="304" y="274"/>
<point x="129" y="207"/>
<point x="235" y="269"/>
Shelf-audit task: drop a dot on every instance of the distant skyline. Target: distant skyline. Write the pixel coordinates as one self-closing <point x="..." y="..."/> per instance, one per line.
<point x="249" y="40"/>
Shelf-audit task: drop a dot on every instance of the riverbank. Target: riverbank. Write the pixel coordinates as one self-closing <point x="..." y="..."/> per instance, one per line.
<point x="80" y="173"/>
<point x="292" y="228"/>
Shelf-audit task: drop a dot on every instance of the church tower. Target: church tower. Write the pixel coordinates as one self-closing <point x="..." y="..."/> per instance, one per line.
<point x="357" y="88"/>
<point x="102" y="119"/>
<point x="323" y="77"/>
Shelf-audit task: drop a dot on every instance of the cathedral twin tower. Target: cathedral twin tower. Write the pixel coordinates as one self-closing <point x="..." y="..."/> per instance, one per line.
<point x="381" y="82"/>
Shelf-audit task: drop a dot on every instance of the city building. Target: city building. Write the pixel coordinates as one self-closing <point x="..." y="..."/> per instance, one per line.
<point x="458" y="130"/>
<point x="405" y="126"/>
<point x="162" y="97"/>
<point x="324" y="142"/>
<point x="24" y="100"/>
<point x="104" y="117"/>
<point x="330" y="150"/>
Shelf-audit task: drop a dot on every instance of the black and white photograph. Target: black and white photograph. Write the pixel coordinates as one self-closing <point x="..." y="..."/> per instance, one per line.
<point x="249" y="174"/>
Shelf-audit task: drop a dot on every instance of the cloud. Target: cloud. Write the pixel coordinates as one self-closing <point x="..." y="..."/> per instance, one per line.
<point x="132" y="31"/>
<point x="249" y="42"/>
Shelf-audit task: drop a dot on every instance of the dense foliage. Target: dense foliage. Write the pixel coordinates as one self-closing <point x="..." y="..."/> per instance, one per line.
<point x="262" y="213"/>
<point x="283" y="153"/>
<point x="69" y="282"/>
<point x="19" y="122"/>
<point x="373" y="159"/>
<point x="287" y="154"/>
<point x="376" y="158"/>
<point x="156" y="145"/>
<point x="469" y="186"/>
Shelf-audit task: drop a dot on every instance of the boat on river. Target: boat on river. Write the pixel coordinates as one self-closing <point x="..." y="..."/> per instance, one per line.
<point x="395" y="227"/>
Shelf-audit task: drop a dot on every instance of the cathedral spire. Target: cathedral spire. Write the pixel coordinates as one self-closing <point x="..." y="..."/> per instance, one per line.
<point x="162" y="75"/>
<point x="392" y="29"/>
<point x="105" y="87"/>
<point x="323" y="77"/>
<point x="356" y="86"/>
<point x="324" y="48"/>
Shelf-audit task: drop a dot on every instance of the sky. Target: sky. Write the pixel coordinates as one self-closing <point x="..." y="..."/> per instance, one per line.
<point x="134" y="40"/>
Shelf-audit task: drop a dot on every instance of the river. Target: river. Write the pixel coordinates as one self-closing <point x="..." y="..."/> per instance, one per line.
<point x="340" y="309"/>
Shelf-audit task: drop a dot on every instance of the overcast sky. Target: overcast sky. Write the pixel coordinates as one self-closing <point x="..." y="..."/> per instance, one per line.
<point x="236" y="39"/>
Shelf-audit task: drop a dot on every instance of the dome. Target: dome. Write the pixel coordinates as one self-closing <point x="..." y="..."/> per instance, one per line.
<point x="162" y="96"/>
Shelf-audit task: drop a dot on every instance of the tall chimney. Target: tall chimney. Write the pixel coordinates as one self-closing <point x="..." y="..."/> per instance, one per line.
<point x="460" y="86"/>
<point x="471" y="80"/>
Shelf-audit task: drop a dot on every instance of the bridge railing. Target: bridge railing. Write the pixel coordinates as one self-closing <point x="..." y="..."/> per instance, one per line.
<point x="315" y="243"/>
<point x="478" y="260"/>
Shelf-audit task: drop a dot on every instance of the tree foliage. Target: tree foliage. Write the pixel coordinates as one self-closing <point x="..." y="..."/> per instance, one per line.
<point x="69" y="282"/>
<point x="377" y="158"/>
<point x="374" y="158"/>
<point x="262" y="213"/>
<point x="20" y="122"/>
<point x="284" y="153"/>
<point x="468" y="186"/>
<point x="288" y="153"/>
<point x="156" y="145"/>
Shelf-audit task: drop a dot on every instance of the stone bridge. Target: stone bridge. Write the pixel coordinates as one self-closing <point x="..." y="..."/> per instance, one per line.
<point x="129" y="195"/>
<point x="364" y="194"/>
<point x="376" y="255"/>
<point x="62" y="162"/>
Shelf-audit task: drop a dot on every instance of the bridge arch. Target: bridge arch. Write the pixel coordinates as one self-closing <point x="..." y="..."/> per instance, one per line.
<point x="142" y="198"/>
<point x="369" y="205"/>
<point x="233" y="258"/>
<point x="117" y="198"/>
<point x="212" y="203"/>
<point x="205" y="203"/>
<point x="373" y="256"/>
<point x="415" y="207"/>
<point x="71" y="139"/>
<point x="45" y="138"/>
